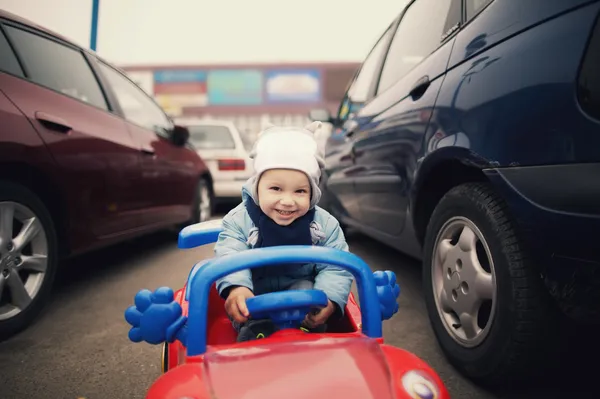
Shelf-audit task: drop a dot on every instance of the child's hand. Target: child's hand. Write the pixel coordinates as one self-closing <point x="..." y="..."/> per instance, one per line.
<point x="314" y="320"/>
<point x="235" y="304"/>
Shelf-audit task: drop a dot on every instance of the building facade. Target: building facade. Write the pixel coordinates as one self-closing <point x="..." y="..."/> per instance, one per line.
<point x="250" y="95"/>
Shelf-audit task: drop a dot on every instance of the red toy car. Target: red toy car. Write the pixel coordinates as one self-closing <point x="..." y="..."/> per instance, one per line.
<point x="202" y="360"/>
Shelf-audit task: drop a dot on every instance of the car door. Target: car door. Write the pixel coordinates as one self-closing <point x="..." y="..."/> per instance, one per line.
<point x="341" y="169"/>
<point x="61" y="97"/>
<point x="390" y="130"/>
<point x="167" y="178"/>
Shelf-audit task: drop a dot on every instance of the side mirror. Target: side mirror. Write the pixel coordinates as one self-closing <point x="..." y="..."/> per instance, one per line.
<point x="320" y="114"/>
<point x="180" y="135"/>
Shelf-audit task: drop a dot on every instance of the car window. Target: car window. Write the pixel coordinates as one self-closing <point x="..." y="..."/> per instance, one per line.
<point x="453" y="19"/>
<point x="473" y="7"/>
<point x="57" y="66"/>
<point x="211" y="137"/>
<point x="137" y="106"/>
<point x="588" y="82"/>
<point x="8" y="61"/>
<point x="419" y="34"/>
<point x="358" y="91"/>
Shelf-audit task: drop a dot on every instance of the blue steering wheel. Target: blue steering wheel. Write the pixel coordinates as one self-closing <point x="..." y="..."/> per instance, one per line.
<point x="287" y="309"/>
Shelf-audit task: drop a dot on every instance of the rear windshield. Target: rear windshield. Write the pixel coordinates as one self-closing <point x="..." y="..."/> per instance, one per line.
<point x="211" y="137"/>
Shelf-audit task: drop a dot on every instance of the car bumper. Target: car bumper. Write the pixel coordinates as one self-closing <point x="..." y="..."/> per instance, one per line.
<point x="228" y="188"/>
<point x="558" y="210"/>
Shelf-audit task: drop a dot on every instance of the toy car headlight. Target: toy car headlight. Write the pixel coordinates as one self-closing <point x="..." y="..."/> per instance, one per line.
<point x="419" y="385"/>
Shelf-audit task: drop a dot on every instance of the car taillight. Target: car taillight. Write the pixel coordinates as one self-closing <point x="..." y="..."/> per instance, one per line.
<point x="231" y="164"/>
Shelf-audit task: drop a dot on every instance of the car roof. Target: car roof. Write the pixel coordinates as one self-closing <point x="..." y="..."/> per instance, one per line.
<point x="24" y="21"/>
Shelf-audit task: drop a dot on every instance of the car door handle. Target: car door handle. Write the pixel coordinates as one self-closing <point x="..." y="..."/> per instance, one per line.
<point x="420" y="87"/>
<point x="53" y="122"/>
<point x="148" y="151"/>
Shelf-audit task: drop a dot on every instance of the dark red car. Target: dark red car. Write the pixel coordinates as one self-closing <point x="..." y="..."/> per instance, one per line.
<point x="87" y="159"/>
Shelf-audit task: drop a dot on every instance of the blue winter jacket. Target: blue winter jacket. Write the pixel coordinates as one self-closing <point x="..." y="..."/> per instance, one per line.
<point x="239" y="234"/>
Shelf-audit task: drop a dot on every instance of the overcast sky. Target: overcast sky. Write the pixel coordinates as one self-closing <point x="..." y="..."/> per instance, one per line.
<point x="211" y="31"/>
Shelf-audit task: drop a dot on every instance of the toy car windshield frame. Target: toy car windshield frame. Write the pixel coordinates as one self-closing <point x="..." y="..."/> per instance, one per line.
<point x="205" y="273"/>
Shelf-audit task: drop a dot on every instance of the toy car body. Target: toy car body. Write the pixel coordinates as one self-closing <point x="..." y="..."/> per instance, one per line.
<point x="349" y="361"/>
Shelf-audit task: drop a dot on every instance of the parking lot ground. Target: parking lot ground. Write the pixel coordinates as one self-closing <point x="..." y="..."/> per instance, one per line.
<point x="79" y="347"/>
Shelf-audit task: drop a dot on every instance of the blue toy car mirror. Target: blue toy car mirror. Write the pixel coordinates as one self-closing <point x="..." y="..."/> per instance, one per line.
<point x="199" y="234"/>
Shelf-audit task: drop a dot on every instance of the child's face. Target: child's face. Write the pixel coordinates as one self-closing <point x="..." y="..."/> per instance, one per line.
<point x="284" y="195"/>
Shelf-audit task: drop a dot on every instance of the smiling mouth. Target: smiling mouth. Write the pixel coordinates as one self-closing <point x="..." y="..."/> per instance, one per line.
<point x="285" y="213"/>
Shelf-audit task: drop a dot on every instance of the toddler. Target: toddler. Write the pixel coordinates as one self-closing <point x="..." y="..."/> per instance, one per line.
<point x="279" y="207"/>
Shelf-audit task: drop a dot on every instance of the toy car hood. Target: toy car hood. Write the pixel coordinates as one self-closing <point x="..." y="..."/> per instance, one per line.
<point x="313" y="369"/>
<point x="324" y="368"/>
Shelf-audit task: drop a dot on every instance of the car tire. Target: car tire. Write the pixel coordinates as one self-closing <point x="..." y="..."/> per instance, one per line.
<point x="205" y="200"/>
<point x="201" y="211"/>
<point x="165" y="358"/>
<point x="490" y="261"/>
<point x="15" y="261"/>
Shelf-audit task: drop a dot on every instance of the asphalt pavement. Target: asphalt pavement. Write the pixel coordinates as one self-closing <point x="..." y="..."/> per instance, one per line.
<point x="79" y="347"/>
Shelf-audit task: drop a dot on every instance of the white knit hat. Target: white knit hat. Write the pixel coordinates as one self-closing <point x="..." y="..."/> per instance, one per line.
<point x="289" y="148"/>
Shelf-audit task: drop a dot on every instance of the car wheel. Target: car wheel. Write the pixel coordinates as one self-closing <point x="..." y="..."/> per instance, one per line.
<point x="28" y="257"/>
<point x="485" y="302"/>
<point x="165" y="358"/>
<point x="203" y="202"/>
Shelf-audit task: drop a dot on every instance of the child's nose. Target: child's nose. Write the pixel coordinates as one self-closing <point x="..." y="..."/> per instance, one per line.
<point x="286" y="200"/>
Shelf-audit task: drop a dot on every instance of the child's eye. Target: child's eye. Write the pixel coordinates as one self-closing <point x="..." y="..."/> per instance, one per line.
<point x="274" y="188"/>
<point x="301" y="191"/>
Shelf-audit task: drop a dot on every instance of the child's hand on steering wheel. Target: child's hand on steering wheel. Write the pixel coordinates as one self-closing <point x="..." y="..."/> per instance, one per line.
<point x="313" y="320"/>
<point x="235" y="304"/>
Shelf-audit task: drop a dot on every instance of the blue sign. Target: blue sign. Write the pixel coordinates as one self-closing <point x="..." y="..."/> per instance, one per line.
<point x="234" y="87"/>
<point x="179" y="76"/>
<point x="293" y="85"/>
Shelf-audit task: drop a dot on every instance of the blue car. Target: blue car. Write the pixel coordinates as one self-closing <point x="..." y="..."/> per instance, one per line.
<point x="472" y="142"/>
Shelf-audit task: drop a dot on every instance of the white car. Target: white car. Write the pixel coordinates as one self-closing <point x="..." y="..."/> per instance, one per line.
<point x="226" y="153"/>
